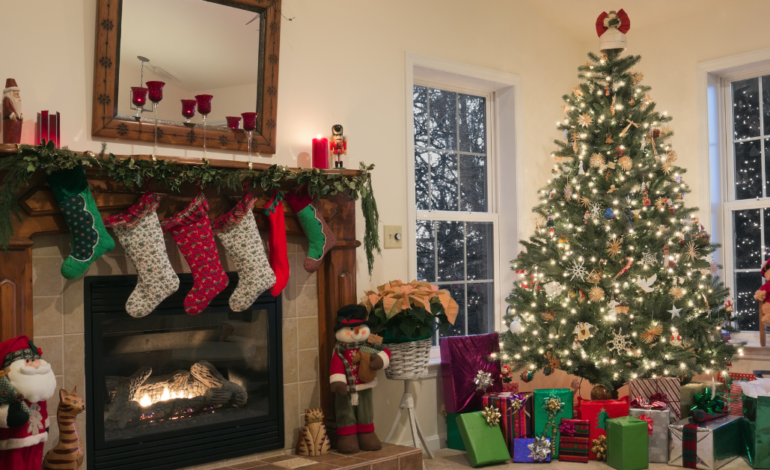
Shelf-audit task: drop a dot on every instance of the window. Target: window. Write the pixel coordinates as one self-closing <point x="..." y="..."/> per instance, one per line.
<point x="747" y="209"/>
<point x="456" y="227"/>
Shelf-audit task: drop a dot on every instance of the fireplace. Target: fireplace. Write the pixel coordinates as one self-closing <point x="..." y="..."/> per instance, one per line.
<point x="172" y="390"/>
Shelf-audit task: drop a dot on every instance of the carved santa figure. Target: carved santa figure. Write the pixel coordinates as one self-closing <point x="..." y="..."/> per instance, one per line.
<point x="12" y="116"/>
<point x="26" y="384"/>
<point x="352" y="376"/>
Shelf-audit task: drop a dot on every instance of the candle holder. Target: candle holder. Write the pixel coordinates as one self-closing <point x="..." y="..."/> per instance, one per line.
<point x="156" y="95"/>
<point x="139" y="99"/>
<point x="48" y="128"/>
<point x="249" y="124"/>
<point x="188" y="111"/>
<point x="204" y="108"/>
<point x="233" y="122"/>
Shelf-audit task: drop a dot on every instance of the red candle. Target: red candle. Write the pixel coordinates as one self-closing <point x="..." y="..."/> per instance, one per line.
<point x="321" y="152"/>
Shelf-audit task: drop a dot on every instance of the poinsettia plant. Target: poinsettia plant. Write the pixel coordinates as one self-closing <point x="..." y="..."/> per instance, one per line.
<point x="409" y="311"/>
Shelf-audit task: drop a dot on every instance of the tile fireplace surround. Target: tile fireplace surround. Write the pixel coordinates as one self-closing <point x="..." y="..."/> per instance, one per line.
<point x="59" y="327"/>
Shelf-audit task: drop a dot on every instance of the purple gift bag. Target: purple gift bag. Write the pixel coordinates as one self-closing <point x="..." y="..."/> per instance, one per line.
<point x="462" y="357"/>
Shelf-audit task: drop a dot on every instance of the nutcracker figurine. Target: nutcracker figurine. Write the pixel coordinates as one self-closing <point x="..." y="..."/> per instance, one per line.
<point x="338" y="145"/>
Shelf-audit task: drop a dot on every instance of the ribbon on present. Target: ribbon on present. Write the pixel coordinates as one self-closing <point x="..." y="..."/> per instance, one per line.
<point x="641" y="402"/>
<point x="709" y="402"/>
<point x="567" y="428"/>
<point x="518" y="403"/>
<point x="649" y="423"/>
<point x="553" y="406"/>
<point x="690" y="436"/>
<point x="491" y="416"/>
<point x="539" y="449"/>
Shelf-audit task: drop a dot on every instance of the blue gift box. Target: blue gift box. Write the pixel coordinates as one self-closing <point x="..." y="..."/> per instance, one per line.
<point x="521" y="451"/>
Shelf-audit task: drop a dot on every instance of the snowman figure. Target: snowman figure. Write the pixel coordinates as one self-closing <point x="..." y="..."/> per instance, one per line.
<point x="353" y="370"/>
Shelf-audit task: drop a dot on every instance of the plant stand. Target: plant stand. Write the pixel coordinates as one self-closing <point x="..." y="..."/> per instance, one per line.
<point x="407" y="403"/>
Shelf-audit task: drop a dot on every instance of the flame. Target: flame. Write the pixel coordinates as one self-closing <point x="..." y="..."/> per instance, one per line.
<point x="145" y="401"/>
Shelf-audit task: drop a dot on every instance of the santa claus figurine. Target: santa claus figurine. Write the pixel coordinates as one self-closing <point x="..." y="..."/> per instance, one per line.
<point x="27" y="382"/>
<point x="353" y="375"/>
<point x="12" y="117"/>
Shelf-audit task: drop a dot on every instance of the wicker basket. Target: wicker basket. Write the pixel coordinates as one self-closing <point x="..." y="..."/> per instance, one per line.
<point x="409" y="361"/>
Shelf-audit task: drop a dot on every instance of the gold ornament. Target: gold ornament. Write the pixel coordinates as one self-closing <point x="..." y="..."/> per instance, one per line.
<point x="608" y="140"/>
<point x="676" y="292"/>
<point x="575" y="139"/>
<point x="600" y="448"/>
<point x="594" y="277"/>
<point x="625" y="163"/>
<point x="666" y="130"/>
<point x="636" y="77"/>
<point x="612" y="108"/>
<point x="672" y="156"/>
<point x="614" y="246"/>
<point x="491" y="416"/>
<point x="596" y="160"/>
<point x="553" y="361"/>
<point x="585" y="120"/>
<point x="596" y="294"/>
<point x="631" y="102"/>
<point x="563" y="160"/>
<point x="547" y="316"/>
<point x="577" y="92"/>
<point x="565" y="108"/>
<point x="583" y="331"/>
<point x="652" y="333"/>
<point x="660" y="203"/>
<point x="692" y="251"/>
<point x="567" y="191"/>
<point x="666" y="167"/>
<point x="585" y="202"/>
<point x="625" y="129"/>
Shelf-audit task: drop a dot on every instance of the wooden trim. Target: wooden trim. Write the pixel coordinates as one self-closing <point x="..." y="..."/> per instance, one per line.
<point x="106" y="85"/>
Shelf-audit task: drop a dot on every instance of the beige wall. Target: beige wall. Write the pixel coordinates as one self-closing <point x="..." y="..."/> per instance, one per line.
<point x="342" y="61"/>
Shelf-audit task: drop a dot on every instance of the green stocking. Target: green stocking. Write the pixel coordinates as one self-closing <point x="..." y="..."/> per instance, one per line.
<point x="90" y="239"/>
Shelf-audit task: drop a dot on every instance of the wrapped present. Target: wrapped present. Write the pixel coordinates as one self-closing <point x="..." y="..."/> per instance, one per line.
<point x="516" y="411"/>
<point x="658" y="439"/>
<point x="509" y="385"/>
<point x="462" y="357"/>
<point x="734" y="399"/>
<point x="550" y="406"/>
<point x="573" y="440"/>
<point x="700" y="442"/>
<point x="532" y="450"/>
<point x="755" y="432"/>
<point x="597" y="411"/>
<point x="453" y="438"/>
<point x="696" y="395"/>
<point x="627" y="443"/>
<point x="665" y="389"/>
<point x="737" y="376"/>
<point x="484" y="441"/>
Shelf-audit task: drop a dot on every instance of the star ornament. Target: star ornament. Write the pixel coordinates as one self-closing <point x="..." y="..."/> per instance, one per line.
<point x="585" y="120"/>
<point x="692" y="251"/>
<point x="652" y="333"/>
<point x="596" y="160"/>
<point x="614" y="246"/>
<point x="674" y="311"/>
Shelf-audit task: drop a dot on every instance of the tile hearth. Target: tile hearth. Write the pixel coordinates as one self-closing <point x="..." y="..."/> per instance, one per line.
<point x="391" y="457"/>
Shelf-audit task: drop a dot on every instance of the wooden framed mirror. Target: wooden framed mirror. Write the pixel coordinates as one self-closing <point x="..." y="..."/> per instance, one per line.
<point x="226" y="48"/>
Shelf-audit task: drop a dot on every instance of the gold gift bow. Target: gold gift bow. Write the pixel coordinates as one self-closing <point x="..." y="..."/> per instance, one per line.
<point x="518" y="404"/>
<point x="491" y="415"/>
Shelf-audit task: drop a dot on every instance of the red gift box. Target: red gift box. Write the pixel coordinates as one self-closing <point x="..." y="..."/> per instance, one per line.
<point x="573" y="447"/>
<point x="515" y="425"/>
<point x="590" y="409"/>
<point x="738" y="376"/>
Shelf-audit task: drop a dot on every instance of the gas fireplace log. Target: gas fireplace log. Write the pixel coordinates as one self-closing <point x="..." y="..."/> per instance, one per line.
<point x="210" y="376"/>
<point x="123" y="408"/>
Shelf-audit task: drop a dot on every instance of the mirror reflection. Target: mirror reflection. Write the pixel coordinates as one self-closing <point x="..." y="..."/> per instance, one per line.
<point x="196" y="47"/>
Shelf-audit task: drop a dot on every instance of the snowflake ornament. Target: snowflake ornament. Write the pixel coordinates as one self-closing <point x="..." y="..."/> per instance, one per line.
<point x="649" y="259"/>
<point x="577" y="270"/>
<point x="619" y="341"/>
<point x="596" y="210"/>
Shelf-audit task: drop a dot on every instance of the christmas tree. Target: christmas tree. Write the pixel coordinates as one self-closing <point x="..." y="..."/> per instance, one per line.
<point x="616" y="283"/>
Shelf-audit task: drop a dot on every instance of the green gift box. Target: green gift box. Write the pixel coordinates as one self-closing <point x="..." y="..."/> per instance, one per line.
<point x="546" y="422"/>
<point x="453" y="438"/>
<point x="485" y="443"/>
<point x="627" y="443"/>
<point x="755" y="431"/>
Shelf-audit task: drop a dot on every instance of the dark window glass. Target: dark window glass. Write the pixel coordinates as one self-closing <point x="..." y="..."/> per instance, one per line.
<point x="748" y="169"/>
<point x="451" y="246"/>
<point x="480" y="250"/>
<point x="422" y="179"/>
<point x="426" y="251"/>
<point x="443" y="119"/>
<point x="473" y="183"/>
<point x="748" y="254"/>
<point x="481" y="311"/>
<point x="443" y="182"/>
<point x="766" y="103"/>
<point x="420" y="116"/>
<point x="473" y="123"/>
<point x="745" y="109"/>
<point x="746" y="308"/>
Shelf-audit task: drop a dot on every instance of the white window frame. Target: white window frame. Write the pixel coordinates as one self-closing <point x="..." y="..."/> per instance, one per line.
<point x="503" y="91"/>
<point x="715" y="155"/>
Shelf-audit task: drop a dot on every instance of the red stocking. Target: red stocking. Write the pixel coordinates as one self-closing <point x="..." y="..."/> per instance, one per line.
<point x="191" y="230"/>
<point x="279" y="260"/>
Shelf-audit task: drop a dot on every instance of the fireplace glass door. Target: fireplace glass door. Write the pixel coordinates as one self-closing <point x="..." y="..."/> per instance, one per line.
<point x="177" y="385"/>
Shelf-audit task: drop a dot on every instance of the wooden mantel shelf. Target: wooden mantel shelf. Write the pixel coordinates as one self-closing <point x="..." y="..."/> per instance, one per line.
<point x="40" y="215"/>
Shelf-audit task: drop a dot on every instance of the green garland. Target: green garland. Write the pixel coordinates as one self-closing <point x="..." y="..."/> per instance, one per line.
<point x="134" y="173"/>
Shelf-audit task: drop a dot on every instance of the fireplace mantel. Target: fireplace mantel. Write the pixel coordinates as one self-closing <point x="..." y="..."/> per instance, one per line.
<point x="40" y="215"/>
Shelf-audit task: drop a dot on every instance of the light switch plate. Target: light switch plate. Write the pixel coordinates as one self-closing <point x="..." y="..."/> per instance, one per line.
<point x="394" y="236"/>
